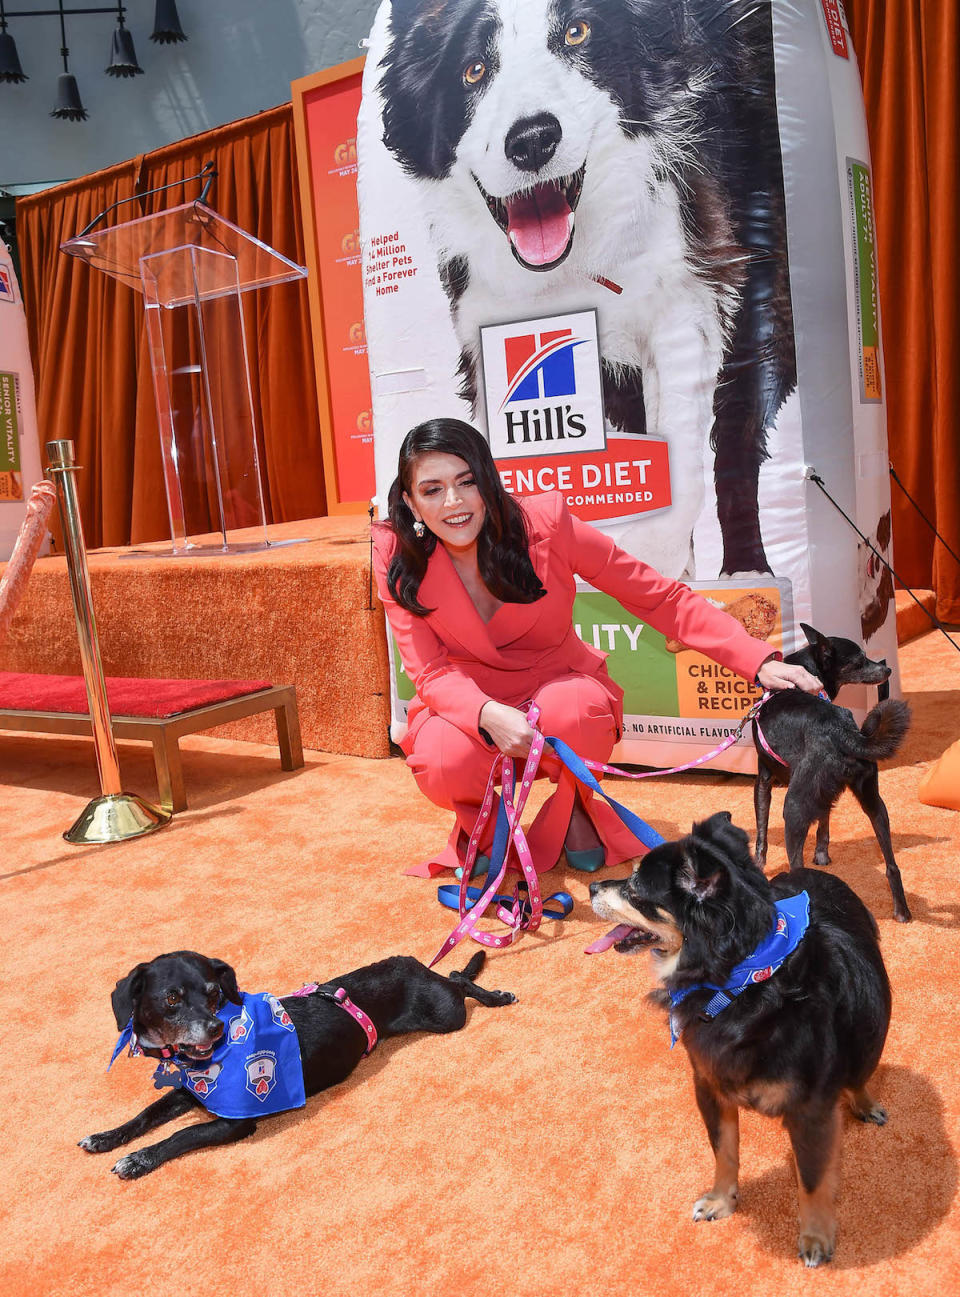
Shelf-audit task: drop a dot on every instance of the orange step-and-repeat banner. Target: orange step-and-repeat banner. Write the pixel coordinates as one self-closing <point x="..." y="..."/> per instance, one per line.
<point x="325" y="117"/>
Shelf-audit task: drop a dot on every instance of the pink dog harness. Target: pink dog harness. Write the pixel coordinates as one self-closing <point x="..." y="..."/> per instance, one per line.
<point x="761" y="739"/>
<point x="340" y="997"/>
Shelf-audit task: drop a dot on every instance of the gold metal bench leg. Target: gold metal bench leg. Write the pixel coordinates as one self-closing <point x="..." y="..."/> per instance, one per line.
<point x="288" y="735"/>
<point x="166" y="757"/>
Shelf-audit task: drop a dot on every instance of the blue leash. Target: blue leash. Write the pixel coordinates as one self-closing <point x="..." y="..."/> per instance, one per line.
<point x="638" y="827"/>
<point x="448" y="894"/>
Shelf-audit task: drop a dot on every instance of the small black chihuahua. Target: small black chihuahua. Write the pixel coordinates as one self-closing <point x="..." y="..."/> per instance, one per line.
<point x="818" y="750"/>
<point x="176" y="1007"/>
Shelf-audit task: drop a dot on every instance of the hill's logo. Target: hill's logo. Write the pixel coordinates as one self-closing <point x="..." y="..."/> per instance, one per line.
<point x="540" y="365"/>
<point x="542" y="386"/>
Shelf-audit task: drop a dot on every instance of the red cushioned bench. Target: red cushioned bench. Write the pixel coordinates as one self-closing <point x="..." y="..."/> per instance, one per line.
<point x="159" y="710"/>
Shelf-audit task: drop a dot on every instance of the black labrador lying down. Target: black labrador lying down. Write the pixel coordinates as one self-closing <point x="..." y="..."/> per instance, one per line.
<point x="244" y="1056"/>
<point x="778" y="993"/>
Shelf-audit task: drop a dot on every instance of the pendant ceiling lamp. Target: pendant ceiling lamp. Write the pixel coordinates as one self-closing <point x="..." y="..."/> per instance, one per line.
<point x="166" y="24"/>
<point x="123" y="56"/>
<point x="10" y="69"/>
<point x="68" y="107"/>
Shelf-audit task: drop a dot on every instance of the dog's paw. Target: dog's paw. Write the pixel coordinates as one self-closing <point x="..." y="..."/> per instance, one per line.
<point x="821" y="858"/>
<point x="134" y="1165"/>
<point x="105" y="1142"/>
<point x="715" y="1206"/>
<point x="874" y="1116"/>
<point x="506" y="997"/>
<point x="814" y="1249"/>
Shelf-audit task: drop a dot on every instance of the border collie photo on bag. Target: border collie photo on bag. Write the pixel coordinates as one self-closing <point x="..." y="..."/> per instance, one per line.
<point x="621" y="156"/>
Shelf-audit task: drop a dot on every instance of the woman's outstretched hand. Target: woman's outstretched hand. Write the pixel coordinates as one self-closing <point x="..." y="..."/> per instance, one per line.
<point x="508" y="728"/>
<point x="774" y="674"/>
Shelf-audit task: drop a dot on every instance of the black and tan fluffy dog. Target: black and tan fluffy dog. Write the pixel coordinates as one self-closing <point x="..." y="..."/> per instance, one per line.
<point x="173" y="1002"/>
<point x="822" y="751"/>
<point x="796" y="1039"/>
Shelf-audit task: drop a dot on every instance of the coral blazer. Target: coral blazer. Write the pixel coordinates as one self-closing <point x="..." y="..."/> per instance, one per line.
<point x="458" y="662"/>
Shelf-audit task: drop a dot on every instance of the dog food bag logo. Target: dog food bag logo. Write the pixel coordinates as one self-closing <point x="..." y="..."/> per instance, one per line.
<point x="261" y="1072"/>
<point x="6" y="284"/>
<point x="542" y="386"/>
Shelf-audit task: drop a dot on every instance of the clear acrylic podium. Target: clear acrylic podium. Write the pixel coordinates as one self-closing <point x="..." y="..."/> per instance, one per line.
<point x="192" y="266"/>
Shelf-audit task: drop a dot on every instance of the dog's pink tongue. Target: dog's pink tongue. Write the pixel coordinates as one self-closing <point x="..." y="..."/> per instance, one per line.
<point x="538" y="224"/>
<point x="604" y="943"/>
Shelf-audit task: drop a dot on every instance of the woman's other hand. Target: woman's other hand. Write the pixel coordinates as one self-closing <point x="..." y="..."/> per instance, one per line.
<point x="774" y="675"/>
<point x="508" y="728"/>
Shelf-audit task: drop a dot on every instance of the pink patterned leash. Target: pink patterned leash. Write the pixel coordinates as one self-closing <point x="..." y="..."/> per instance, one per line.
<point x="689" y="765"/>
<point x="526" y="912"/>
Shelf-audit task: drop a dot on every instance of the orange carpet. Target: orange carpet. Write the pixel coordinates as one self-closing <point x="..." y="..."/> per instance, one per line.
<point x="552" y="1147"/>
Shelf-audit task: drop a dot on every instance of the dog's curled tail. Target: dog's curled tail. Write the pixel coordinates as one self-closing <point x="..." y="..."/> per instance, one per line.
<point x="884" y="729"/>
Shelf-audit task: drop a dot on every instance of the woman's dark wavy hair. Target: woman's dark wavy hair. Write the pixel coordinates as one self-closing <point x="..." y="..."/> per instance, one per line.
<point x="502" y="546"/>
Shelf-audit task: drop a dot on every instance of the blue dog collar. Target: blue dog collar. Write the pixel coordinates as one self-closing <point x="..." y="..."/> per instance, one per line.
<point x="254" y="1071"/>
<point x="791" y="921"/>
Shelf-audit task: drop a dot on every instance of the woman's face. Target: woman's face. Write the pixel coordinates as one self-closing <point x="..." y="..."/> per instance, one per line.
<point x="445" y="497"/>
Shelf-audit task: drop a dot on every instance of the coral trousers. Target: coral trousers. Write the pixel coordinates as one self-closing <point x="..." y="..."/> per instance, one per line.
<point x="452" y="768"/>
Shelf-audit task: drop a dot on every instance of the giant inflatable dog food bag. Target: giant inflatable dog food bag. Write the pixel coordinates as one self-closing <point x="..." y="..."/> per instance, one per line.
<point x="632" y="241"/>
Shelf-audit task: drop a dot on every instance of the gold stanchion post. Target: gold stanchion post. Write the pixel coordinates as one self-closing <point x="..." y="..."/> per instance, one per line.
<point x="115" y="815"/>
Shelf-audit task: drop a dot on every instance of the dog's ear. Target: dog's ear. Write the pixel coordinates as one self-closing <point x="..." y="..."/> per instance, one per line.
<point x="126" y="993"/>
<point x="724" y="839"/>
<point x="822" y="648"/>
<point x="227" y="979"/>
<point x="700" y="875"/>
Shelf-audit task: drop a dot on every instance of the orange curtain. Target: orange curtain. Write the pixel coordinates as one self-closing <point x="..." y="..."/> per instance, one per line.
<point x="89" y="341"/>
<point x="909" y="54"/>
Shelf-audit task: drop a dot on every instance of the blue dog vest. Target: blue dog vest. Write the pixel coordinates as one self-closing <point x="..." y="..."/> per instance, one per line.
<point x="791" y="920"/>
<point x="254" y="1071"/>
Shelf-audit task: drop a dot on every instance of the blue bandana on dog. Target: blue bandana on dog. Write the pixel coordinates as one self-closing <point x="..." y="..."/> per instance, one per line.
<point x="790" y="923"/>
<point x="255" y="1069"/>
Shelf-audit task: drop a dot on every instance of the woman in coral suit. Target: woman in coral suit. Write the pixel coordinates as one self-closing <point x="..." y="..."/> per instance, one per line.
<point x="478" y="589"/>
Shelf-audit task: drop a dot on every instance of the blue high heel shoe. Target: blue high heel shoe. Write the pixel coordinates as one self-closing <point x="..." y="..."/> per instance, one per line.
<point x="588" y="862"/>
<point x="481" y="867"/>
